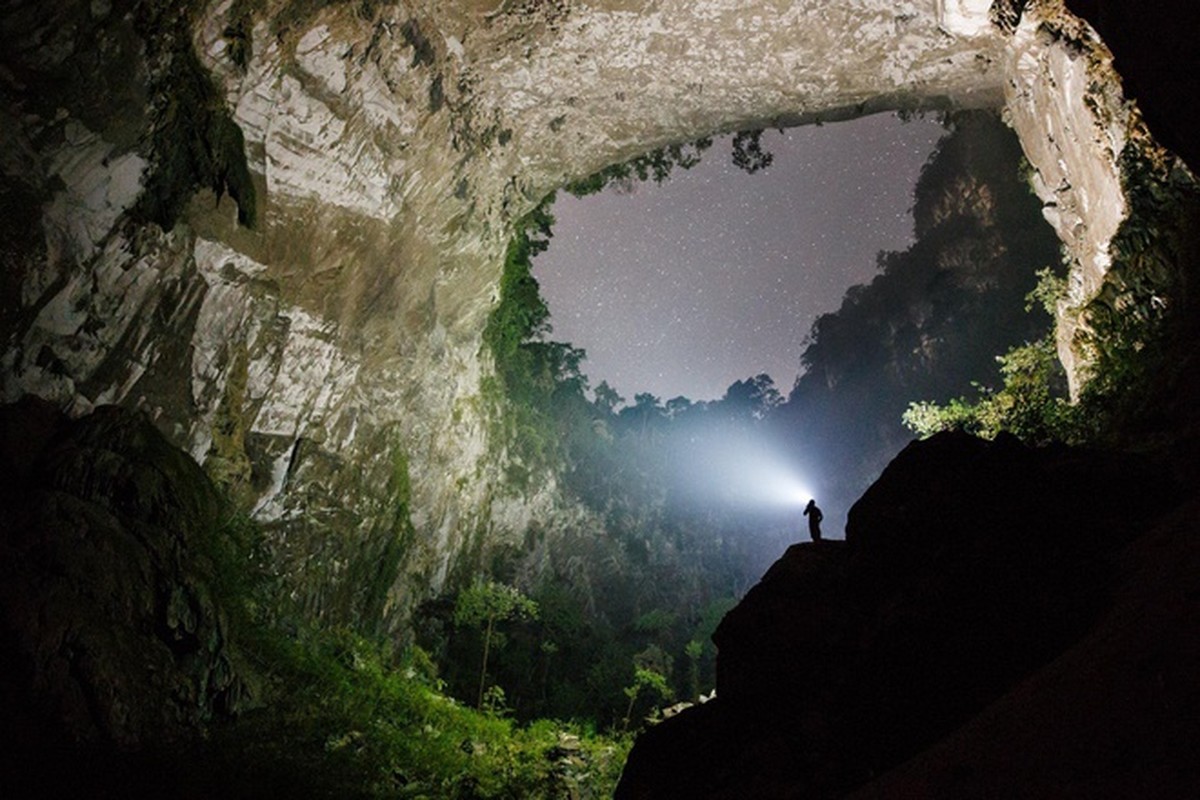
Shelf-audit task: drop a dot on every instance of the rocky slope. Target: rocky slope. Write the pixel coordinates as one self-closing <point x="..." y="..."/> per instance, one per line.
<point x="978" y="581"/>
<point x="277" y="226"/>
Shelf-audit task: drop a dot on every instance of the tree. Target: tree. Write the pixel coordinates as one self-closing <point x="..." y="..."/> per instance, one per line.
<point x="485" y="603"/>
<point x="752" y="398"/>
<point x="644" y="678"/>
<point x="645" y="412"/>
<point x="748" y="153"/>
<point x="678" y="406"/>
<point x="607" y="398"/>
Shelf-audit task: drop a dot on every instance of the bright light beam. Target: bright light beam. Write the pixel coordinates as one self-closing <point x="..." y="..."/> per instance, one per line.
<point x="754" y="476"/>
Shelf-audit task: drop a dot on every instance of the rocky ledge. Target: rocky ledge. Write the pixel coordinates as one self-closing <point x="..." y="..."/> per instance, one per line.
<point x="1003" y="619"/>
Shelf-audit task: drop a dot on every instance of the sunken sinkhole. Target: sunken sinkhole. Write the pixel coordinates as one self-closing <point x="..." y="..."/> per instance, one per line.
<point x="308" y="489"/>
<point x="728" y="281"/>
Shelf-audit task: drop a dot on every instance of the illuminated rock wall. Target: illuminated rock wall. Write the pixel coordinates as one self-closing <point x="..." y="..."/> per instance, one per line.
<point x="326" y="364"/>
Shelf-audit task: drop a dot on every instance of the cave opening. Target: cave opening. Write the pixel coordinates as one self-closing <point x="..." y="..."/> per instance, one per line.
<point x="682" y="287"/>
<point x="448" y="551"/>
<point x="691" y="499"/>
<point x="714" y="294"/>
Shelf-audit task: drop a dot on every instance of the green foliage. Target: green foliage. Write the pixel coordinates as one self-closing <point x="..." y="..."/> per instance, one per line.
<point x="1051" y="289"/>
<point x="350" y="720"/>
<point x="536" y="380"/>
<point x="522" y="314"/>
<point x="483" y="604"/>
<point x="1131" y="320"/>
<point x="242" y="580"/>
<point x="657" y="165"/>
<point x="655" y="620"/>
<point x="646" y="682"/>
<point x="1031" y="404"/>
<point x="1028" y="406"/>
<point x="344" y="716"/>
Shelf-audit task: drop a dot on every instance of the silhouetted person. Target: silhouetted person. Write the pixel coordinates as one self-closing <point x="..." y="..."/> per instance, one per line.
<point x="814" y="520"/>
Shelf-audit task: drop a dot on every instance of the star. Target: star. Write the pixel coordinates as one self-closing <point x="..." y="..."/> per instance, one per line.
<point x="751" y="259"/>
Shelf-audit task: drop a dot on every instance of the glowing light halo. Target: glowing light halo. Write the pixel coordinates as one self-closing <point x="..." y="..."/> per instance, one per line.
<point x="749" y="473"/>
<point x="799" y="494"/>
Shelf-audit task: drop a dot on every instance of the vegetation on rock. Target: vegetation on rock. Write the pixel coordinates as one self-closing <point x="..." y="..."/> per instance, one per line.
<point x="169" y="659"/>
<point x="1133" y="325"/>
<point x="673" y="544"/>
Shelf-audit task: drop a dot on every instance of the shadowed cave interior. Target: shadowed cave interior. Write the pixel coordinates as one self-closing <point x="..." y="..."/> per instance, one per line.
<point x="303" y="497"/>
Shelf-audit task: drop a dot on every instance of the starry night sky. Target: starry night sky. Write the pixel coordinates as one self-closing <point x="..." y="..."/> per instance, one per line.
<point x="717" y="275"/>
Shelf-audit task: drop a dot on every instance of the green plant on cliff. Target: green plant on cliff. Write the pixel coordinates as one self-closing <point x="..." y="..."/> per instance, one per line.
<point x="1031" y="404"/>
<point x="1133" y="321"/>
<point x="656" y="165"/>
<point x="534" y="377"/>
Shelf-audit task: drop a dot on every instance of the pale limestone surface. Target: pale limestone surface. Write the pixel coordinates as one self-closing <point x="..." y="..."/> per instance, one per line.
<point x="393" y="153"/>
<point x="1073" y="136"/>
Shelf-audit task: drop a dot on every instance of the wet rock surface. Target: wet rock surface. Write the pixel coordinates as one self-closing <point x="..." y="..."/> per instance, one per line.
<point x="968" y="567"/>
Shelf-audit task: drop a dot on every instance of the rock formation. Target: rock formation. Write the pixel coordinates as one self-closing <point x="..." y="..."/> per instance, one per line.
<point x="277" y="226"/>
<point x="967" y="567"/>
<point x="112" y="635"/>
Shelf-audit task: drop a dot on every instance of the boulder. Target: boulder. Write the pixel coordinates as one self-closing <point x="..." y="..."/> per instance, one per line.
<point x="967" y="567"/>
<point x="112" y="637"/>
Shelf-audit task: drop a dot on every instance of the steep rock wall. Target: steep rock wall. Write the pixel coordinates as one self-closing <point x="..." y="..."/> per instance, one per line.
<point x="325" y="365"/>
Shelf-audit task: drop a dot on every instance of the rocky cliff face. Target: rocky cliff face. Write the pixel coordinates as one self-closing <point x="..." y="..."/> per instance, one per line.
<point x="325" y="362"/>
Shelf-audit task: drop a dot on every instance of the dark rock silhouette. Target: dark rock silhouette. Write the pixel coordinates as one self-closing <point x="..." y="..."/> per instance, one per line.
<point x="967" y="567"/>
<point x="1155" y="51"/>
<point x="110" y="637"/>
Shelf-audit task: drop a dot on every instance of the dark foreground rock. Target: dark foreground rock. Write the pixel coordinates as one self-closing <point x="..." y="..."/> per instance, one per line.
<point x="110" y="638"/>
<point x="971" y="571"/>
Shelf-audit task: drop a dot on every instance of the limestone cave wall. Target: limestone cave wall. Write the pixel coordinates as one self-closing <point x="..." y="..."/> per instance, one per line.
<point x="302" y="306"/>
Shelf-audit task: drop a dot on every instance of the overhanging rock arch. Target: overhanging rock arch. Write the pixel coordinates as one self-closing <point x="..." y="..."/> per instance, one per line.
<point x="326" y="365"/>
